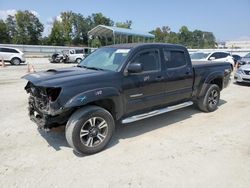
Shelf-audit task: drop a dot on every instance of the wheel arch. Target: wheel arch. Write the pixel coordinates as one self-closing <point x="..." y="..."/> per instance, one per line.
<point x="15" y="57"/>
<point x="214" y="78"/>
<point x="107" y="98"/>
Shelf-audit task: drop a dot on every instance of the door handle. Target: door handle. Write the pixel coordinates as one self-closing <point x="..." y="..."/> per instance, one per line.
<point x="188" y="72"/>
<point x="159" y="78"/>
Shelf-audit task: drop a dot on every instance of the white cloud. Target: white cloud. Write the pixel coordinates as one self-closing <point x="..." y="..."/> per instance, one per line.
<point x="4" y="13"/>
<point x="35" y="13"/>
<point x="58" y="18"/>
<point x="48" y="26"/>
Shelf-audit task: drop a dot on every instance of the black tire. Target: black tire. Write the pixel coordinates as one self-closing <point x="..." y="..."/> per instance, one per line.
<point x="80" y="123"/>
<point x="78" y="60"/>
<point x="209" y="102"/>
<point x="15" y="61"/>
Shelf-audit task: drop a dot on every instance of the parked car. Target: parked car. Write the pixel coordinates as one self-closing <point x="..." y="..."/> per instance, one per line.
<point x="70" y="56"/>
<point x="121" y="83"/>
<point x="213" y="56"/>
<point x="236" y="59"/>
<point x="243" y="74"/>
<point x="244" y="60"/>
<point x="12" y="55"/>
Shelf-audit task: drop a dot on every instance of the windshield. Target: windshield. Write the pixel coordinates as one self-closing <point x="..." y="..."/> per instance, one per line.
<point x="199" y="55"/>
<point x="247" y="56"/>
<point x="105" y="59"/>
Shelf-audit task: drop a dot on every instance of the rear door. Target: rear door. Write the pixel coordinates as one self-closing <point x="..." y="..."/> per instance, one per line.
<point x="179" y="75"/>
<point x="146" y="89"/>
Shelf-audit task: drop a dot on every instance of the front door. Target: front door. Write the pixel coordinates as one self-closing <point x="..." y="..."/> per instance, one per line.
<point x="144" y="90"/>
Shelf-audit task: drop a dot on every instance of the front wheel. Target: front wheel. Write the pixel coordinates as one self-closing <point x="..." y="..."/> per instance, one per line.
<point x="89" y="129"/>
<point x="15" y="61"/>
<point x="210" y="101"/>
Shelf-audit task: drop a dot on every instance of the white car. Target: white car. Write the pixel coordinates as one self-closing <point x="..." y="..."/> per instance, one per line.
<point x="12" y="55"/>
<point x="213" y="56"/>
<point x="243" y="74"/>
<point x="75" y="55"/>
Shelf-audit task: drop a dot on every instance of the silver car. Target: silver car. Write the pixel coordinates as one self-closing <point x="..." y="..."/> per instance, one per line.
<point x="243" y="74"/>
<point x="245" y="60"/>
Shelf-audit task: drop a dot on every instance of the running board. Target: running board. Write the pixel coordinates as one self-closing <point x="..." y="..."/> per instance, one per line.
<point x="156" y="112"/>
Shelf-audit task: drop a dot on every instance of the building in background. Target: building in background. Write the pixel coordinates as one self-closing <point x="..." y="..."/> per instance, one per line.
<point x="238" y="44"/>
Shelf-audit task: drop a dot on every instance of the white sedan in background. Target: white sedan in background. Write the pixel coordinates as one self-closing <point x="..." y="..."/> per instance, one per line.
<point x="243" y="74"/>
<point x="213" y="56"/>
<point x="11" y="55"/>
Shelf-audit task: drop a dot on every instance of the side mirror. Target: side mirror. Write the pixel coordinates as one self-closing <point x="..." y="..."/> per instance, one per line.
<point x="212" y="58"/>
<point x="135" y="68"/>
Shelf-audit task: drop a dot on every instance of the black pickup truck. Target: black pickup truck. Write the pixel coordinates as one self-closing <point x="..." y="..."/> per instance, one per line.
<point x="121" y="83"/>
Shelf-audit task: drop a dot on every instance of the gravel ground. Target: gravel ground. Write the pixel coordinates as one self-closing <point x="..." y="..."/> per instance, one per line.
<point x="184" y="148"/>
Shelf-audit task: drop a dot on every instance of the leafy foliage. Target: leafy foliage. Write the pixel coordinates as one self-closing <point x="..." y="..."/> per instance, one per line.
<point x="4" y="35"/>
<point x="126" y="24"/>
<point x="72" y="29"/>
<point x="190" y="39"/>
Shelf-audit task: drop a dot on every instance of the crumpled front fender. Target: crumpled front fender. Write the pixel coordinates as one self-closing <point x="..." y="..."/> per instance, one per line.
<point x="92" y="95"/>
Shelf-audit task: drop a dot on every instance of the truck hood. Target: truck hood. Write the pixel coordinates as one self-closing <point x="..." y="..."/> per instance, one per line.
<point x="63" y="76"/>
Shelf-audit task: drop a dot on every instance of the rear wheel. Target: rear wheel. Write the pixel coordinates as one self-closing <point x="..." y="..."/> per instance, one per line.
<point x="210" y="101"/>
<point x="78" y="60"/>
<point x="15" y="61"/>
<point x="90" y="129"/>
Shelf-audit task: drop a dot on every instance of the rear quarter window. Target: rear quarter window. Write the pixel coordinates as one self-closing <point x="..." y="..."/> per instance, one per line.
<point x="79" y="51"/>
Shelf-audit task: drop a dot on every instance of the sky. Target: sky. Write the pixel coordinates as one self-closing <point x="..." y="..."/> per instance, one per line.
<point x="227" y="19"/>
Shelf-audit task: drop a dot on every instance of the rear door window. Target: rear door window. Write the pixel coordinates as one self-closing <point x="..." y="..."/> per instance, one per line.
<point x="174" y="58"/>
<point x="8" y="50"/>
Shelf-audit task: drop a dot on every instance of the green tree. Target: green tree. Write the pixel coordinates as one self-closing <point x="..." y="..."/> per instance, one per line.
<point x="29" y="28"/>
<point x="126" y="24"/>
<point x="67" y="23"/>
<point x="4" y="35"/>
<point x="80" y="29"/>
<point x="185" y="36"/>
<point x="197" y="39"/>
<point x="209" y="40"/>
<point x="100" y="19"/>
<point x="12" y="28"/>
<point x="173" y="38"/>
<point x="56" y="36"/>
<point x="161" y="34"/>
<point x="96" y="43"/>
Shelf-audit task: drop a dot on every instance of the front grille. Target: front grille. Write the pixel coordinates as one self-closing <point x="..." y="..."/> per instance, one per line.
<point x="247" y="72"/>
<point x="245" y="79"/>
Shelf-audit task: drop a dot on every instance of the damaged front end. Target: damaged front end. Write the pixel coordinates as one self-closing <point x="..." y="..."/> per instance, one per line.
<point x="43" y="105"/>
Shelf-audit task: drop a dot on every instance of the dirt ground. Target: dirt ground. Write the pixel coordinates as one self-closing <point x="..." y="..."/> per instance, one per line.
<point x="184" y="148"/>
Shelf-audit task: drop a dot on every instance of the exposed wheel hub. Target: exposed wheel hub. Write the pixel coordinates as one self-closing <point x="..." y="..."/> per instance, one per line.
<point x="93" y="131"/>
